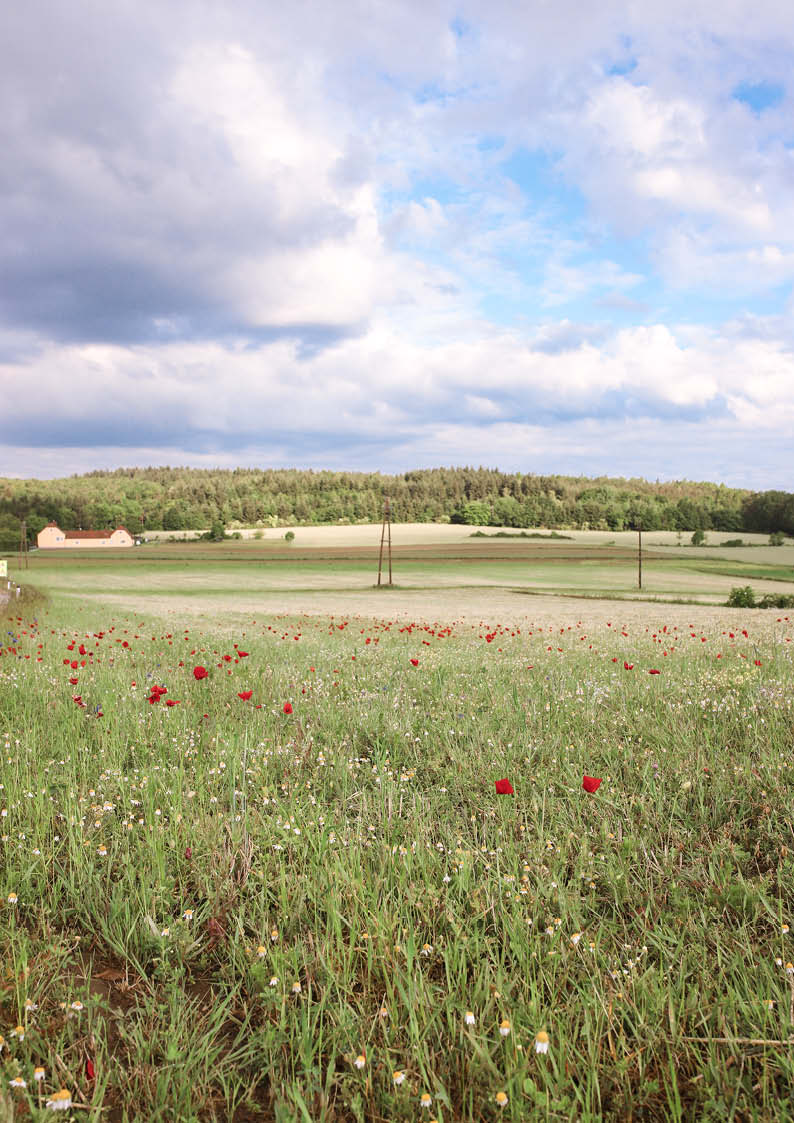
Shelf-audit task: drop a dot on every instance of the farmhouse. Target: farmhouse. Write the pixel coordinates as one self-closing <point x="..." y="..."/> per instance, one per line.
<point x="53" y="538"/>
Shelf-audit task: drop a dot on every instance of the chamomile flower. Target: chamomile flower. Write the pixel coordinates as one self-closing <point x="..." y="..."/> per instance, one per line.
<point x="18" y="1082"/>
<point x="60" y="1101"/>
<point x="38" y="1074"/>
<point x="398" y="1077"/>
<point x="274" y="934"/>
<point x="76" y="1006"/>
<point x="261" y="951"/>
<point x="575" y="938"/>
<point x="784" y="928"/>
<point x="360" y="1061"/>
<point x="273" y="980"/>
<point x="12" y="898"/>
<point x="469" y="1018"/>
<point x="18" y="1032"/>
<point x="501" y="1099"/>
<point x="541" y="1041"/>
<point x="296" y="988"/>
<point x="187" y="914"/>
<point x="30" y="1005"/>
<point x="425" y="1099"/>
<point x="505" y="1027"/>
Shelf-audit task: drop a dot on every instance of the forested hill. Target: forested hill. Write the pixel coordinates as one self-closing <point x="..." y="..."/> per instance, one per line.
<point x="188" y="498"/>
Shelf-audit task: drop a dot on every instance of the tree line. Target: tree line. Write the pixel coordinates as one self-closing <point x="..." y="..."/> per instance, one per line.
<point x="189" y="499"/>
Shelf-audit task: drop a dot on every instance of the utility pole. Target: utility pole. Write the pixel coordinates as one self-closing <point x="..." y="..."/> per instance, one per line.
<point x="385" y="536"/>
<point x="23" y="545"/>
<point x="639" y="554"/>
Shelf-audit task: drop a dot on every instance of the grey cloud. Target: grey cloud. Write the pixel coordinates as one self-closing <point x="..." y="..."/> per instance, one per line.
<point x="121" y="213"/>
<point x="555" y="339"/>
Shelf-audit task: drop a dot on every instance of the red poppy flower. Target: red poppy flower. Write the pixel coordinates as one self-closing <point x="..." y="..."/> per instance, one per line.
<point x="89" y="1069"/>
<point x="504" y="787"/>
<point x="591" y="783"/>
<point x="414" y="662"/>
<point x="246" y="695"/>
<point x="243" y="654"/>
<point x="200" y="672"/>
<point x="653" y="671"/>
<point x="172" y="702"/>
<point x="628" y="666"/>
<point x="288" y="707"/>
<point x="73" y="682"/>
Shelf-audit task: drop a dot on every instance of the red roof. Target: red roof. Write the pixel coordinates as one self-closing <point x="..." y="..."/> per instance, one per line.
<point x="89" y="533"/>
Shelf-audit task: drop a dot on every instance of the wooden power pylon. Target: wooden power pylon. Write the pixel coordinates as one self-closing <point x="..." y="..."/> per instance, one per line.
<point x="639" y="555"/>
<point x="23" y="545"/>
<point x="385" y="537"/>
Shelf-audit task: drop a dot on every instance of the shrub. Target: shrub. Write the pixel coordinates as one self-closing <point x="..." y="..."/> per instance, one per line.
<point x="698" y="538"/>
<point x="289" y="536"/>
<point x="734" y="542"/>
<point x="776" y="600"/>
<point x="741" y="597"/>
<point x="777" y="538"/>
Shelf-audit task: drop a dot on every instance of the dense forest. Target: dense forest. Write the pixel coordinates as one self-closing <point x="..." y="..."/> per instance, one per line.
<point x="187" y="498"/>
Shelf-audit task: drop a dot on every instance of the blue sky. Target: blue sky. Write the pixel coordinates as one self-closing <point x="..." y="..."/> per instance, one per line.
<point x="544" y="238"/>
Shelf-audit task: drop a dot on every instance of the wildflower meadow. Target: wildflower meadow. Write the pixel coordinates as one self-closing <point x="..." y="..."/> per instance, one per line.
<point x="339" y="867"/>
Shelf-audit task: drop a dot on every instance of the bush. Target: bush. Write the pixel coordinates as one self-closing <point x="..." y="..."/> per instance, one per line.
<point x="698" y="538"/>
<point x="776" y="600"/>
<point x="289" y="536"/>
<point x="216" y="533"/>
<point x="734" y="542"/>
<point x="777" y="538"/>
<point x="741" y="597"/>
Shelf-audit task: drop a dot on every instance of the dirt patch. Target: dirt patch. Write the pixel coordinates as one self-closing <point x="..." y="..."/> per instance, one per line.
<point x="443" y="606"/>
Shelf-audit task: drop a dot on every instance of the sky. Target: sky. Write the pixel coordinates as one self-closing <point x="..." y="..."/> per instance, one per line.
<point x="544" y="237"/>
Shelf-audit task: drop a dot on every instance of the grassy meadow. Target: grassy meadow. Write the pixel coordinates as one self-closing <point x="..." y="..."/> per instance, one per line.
<point x="287" y="889"/>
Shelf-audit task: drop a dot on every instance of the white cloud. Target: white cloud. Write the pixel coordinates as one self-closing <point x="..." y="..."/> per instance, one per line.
<point x="218" y="224"/>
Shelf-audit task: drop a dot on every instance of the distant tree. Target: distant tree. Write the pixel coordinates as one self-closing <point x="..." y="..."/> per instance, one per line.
<point x="698" y="538"/>
<point x="289" y="536"/>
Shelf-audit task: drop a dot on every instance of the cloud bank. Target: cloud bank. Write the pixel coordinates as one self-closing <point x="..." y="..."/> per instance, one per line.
<point x="547" y="239"/>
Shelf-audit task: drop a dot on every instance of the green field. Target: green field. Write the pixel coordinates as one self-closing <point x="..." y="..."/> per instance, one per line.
<point x="216" y="909"/>
<point x="583" y="567"/>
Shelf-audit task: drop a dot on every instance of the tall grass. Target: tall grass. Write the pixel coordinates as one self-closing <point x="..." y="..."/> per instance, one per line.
<point x="233" y="912"/>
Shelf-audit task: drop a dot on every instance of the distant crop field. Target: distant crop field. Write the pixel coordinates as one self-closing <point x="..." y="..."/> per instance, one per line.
<point x="343" y="561"/>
